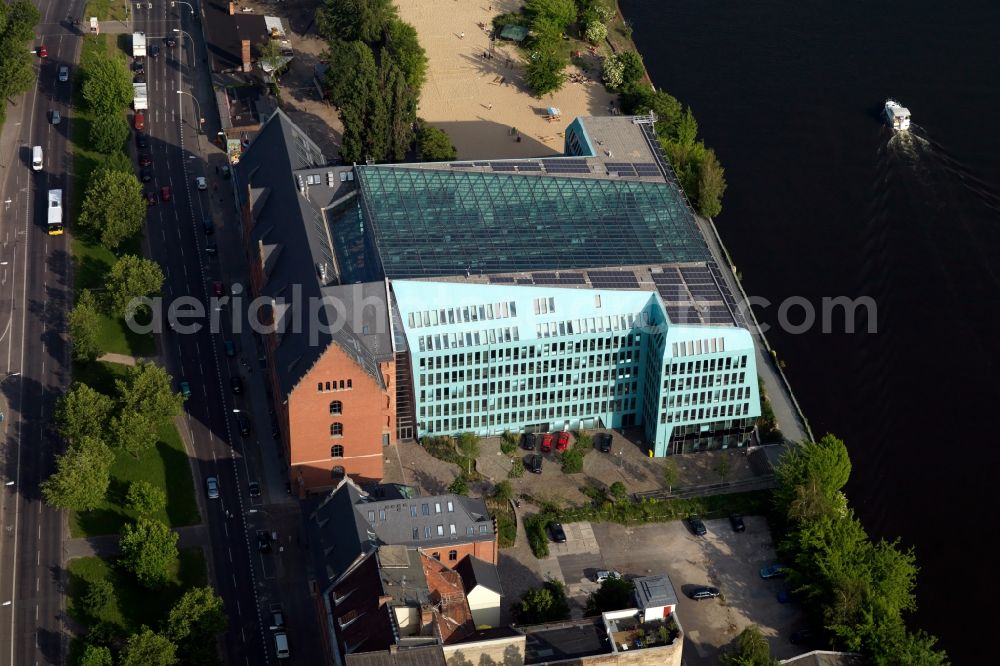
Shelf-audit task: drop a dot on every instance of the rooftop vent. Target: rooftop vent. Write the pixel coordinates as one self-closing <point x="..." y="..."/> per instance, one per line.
<point x="323" y="271"/>
<point x="350" y="175"/>
<point x="302" y="184"/>
<point x="329" y="179"/>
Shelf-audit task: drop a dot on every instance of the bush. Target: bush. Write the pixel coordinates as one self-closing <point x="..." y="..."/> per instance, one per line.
<point x="543" y="604"/>
<point x="459" y="486"/>
<point x="503" y="491"/>
<point x="632" y="68"/>
<point x="619" y="491"/>
<point x="434" y="144"/>
<point x="516" y="469"/>
<point x="572" y="461"/>
<point x="596" y="32"/>
<point x="534" y="527"/>
<point x="442" y="448"/>
<point x="613" y="73"/>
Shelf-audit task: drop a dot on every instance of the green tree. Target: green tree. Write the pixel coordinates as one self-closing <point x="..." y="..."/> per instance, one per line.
<point x="95" y="655"/>
<point x="434" y="144"/>
<point x="148" y="549"/>
<point x="671" y="474"/>
<point x="194" y="622"/>
<point x="405" y="49"/>
<point x="723" y="467"/>
<point x="613" y="72"/>
<point x="825" y="465"/>
<point x="84" y="327"/>
<point x="145" y="389"/>
<point x="130" y="278"/>
<point x="544" y="73"/>
<point x="401" y="107"/>
<point x="562" y="12"/>
<point x="82" y="476"/>
<point x="687" y="129"/>
<point x="613" y="594"/>
<point x="632" y="68"/>
<point x="503" y="491"/>
<point x="17" y="30"/>
<point x="134" y="433"/>
<point x="752" y="649"/>
<point x="711" y="185"/>
<point x="355" y="19"/>
<point x="108" y="132"/>
<point x="459" y="486"/>
<point x="571" y="461"/>
<point x="113" y="207"/>
<point x="148" y="648"/>
<point x="82" y="412"/>
<point x="100" y="594"/>
<point x="107" y="86"/>
<point x="618" y="491"/>
<point x="272" y="57"/>
<point x="145" y="499"/>
<point x="543" y="604"/>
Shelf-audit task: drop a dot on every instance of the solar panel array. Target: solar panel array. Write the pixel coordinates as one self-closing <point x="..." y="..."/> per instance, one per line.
<point x="623" y="169"/>
<point x="613" y="279"/>
<point x="501" y="279"/>
<point x="692" y="294"/>
<point x="647" y="169"/>
<point x="566" y="166"/>
<point x="558" y="278"/>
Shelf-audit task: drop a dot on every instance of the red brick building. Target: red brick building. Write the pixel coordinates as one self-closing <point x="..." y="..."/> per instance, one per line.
<point x="330" y="351"/>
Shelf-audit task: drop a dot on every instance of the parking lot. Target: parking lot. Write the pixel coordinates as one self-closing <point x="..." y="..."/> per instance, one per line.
<point x="722" y="558"/>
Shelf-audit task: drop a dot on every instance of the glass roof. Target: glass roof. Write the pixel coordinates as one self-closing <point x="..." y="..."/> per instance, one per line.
<point x="427" y="223"/>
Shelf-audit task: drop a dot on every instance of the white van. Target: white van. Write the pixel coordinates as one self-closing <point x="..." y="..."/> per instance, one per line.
<point x="36" y="158"/>
<point x="281" y="645"/>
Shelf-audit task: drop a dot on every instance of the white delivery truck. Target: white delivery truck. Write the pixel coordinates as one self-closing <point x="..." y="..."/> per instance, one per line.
<point x="138" y="45"/>
<point x="37" y="162"/>
<point x="139" y="100"/>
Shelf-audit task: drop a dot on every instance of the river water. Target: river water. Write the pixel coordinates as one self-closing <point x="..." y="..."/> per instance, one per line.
<point x="824" y="201"/>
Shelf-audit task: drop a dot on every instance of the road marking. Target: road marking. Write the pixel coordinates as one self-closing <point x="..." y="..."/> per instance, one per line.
<point x="230" y="550"/>
<point x="239" y="609"/>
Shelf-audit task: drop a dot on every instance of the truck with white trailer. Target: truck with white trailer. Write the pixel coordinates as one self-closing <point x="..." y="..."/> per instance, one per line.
<point x="138" y="45"/>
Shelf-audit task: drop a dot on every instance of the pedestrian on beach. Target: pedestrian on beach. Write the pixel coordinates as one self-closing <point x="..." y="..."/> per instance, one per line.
<point x="461" y="35"/>
<point x="489" y="108"/>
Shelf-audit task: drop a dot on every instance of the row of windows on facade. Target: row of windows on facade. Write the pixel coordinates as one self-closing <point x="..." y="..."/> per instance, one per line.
<point x="620" y="344"/>
<point x="527" y="394"/>
<point x="697" y="382"/>
<point x="579" y="410"/>
<point x="676" y="368"/>
<point x="541" y="379"/>
<point x="698" y="347"/>
<point x="703" y="413"/>
<point x="544" y="305"/>
<point x="705" y="397"/>
<point x="468" y="339"/>
<point x="335" y="385"/>
<point x="591" y="325"/>
<point x="462" y="315"/>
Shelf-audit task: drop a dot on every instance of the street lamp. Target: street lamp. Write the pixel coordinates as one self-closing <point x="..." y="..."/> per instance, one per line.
<point x="180" y="2"/>
<point x="197" y="106"/>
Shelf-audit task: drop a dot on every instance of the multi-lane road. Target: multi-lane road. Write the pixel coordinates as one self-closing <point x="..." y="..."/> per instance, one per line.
<point x="35" y="288"/>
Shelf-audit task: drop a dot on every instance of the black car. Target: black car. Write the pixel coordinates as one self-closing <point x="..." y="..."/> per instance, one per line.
<point x="254" y="489"/>
<point x="170" y="41"/>
<point x="154" y="51"/>
<point x="141" y="140"/>
<point x="236" y="383"/>
<point x="208" y="226"/>
<point x="704" y="592"/>
<point x="263" y="541"/>
<point x="603" y="441"/>
<point x="138" y="66"/>
<point x="697" y="527"/>
<point x="146" y="174"/>
<point x="244" y="424"/>
<point x="528" y="441"/>
<point x="535" y="464"/>
<point x="736" y="520"/>
<point x="557" y="533"/>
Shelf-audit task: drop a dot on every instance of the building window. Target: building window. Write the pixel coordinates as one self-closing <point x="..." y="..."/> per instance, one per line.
<point x="413" y="512"/>
<point x="440" y="530"/>
<point x="336" y="451"/>
<point x="482" y="529"/>
<point x="437" y="507"/>
<point x="452" y="555"/>
<point x="451" y="506"/>
<point x="437" y="556"/>
<point x="336" y="407"/>
<point x="451" y="529"/>
<point x="416" y="533"/>
<point x="371" y="516"/>
<point x="336" y="429"/>
<point x="425" y="509"/>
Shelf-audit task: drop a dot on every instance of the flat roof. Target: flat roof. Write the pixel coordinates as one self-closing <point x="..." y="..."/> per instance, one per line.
<point x="567" y="640"/>
<point x="654" y="591"/>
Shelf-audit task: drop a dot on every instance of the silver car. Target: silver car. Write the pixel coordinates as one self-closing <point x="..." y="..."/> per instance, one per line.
<point x="212" y="486"/>
<point x="63" y="73"/>
<point x="56" y="118"/>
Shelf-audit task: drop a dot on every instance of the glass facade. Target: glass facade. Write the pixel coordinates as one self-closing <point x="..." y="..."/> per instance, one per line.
<point x="428" y="223"/>
<point x="490" y="358"/>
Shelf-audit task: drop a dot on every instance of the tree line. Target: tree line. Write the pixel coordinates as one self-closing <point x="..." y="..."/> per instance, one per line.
<point x="376" y="70"/>
<point x="17" y="31"/>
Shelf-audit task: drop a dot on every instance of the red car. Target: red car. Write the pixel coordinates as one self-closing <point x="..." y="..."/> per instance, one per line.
<point x="145" y="160"/>
<point x="217" y="288"/>
<point x="165" y="193"/>
<point x="546" y="443"/>
<point x="140" y="121"/>
<point x="150" y="198"/>
<point x="563" y="442"/>
<point x="43" y="52"/>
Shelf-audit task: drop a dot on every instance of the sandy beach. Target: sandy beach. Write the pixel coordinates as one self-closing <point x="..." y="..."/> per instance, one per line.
<point x="479" y="100"/>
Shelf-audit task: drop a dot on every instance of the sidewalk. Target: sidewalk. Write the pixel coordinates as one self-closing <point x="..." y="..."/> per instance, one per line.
<point x="192" y="536"/>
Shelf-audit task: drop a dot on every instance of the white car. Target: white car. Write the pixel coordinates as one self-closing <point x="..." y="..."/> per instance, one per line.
<point x="201" y="183"/>
<point x="604" y="575"/>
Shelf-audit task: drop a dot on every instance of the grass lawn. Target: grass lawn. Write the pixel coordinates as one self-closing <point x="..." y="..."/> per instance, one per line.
<point x="134" y="605"/>
<point x="106" y="10"/>
<point x="92" y="261"/>
<point x="165" y="467"/>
